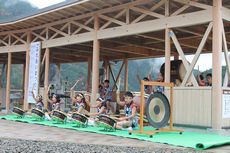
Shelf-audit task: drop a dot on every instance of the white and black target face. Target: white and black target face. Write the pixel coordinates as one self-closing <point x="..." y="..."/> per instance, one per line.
<point x="157" y="110"/>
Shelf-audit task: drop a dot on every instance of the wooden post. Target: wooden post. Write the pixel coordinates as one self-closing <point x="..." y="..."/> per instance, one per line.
<point x="46" y="80"/>
<point x="24" y="73"/>
<point x="142" y="105"/>
<point x="126" y="74"/>
<point x="167" y="56"/>
<point x="8" y="81"/>
<point x="171" y="106"/>
<point x="107" y="76"/>
<point x="23" y="77"/>
<point x="167" y="48"/>
<point x="216" y="65"/>
<point x="89" y="73"/>
<point x="26" y="79"/>
<point x="96" y="55"/>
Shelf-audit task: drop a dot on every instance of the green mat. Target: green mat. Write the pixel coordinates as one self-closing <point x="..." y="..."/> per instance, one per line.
<point x="187" y="139"/>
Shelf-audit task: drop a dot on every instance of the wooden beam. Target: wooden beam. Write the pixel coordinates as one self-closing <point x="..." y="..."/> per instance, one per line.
<point x="61" y="29"/>
<point x="21" y="37"/>
<point x="112" y="20"/>
<point x="147" y="12"/>
<point x="157" y="24"/>
<point x="68" y="40"/>
<point x="181" y="53"/>
<point x="127" y="14"/>
<point x="147" y="26"/>
<point x="15" y="48"/>
<point x="112" y="74"/>
<point x="226" y="55"/>
<point x="141" y="49"/>
<point x="118" y="75"/>
<point x="81" y="27"/>
<point x="162" y="40"/>
<point x="193" y="3"/>
<point x="126" y="82"/>
<point x="156" y="6"/>
<point x="198" y="52"/>
<point x="115" y="17"/>
<point x="121" y="50"/>
<point x="226" y="13"/>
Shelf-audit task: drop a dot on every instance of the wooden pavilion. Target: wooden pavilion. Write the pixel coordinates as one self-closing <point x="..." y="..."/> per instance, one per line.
<point x="94" y="30"/>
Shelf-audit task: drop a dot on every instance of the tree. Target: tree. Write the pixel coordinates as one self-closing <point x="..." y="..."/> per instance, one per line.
<point x="15" y="8"/>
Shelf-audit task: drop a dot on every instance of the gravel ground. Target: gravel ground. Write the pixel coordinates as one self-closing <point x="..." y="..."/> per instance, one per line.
<point x="26" y="146"/>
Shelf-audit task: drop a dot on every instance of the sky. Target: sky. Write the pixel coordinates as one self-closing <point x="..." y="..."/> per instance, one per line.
<point x="44" y="3"/>
<point x="204" y="61"/>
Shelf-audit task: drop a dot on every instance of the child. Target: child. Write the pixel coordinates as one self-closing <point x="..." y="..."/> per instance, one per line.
<point x="54" y="101"/>
<point x="107" y="95"/>
<point x="39" y="104"/>
<point x="147" y="89"/>
<point x="160" y="78"/>
<point x="130" y="120"/>
<point x="79" y="103"/>
<point x="101" y="107"/>
<point x="201" y="80"/>
<point x="209" y="79"/>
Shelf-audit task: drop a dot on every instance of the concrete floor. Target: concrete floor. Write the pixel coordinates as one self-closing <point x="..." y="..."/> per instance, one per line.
<point x="17" y="130"/>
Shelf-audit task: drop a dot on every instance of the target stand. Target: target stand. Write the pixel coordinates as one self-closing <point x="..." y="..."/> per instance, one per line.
<point x="158" y="110"/>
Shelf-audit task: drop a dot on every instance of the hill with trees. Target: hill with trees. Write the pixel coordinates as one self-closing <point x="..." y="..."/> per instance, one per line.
<point x="10" y="9"/>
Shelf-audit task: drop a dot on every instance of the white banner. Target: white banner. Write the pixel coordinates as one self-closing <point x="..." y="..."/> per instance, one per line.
<point x="34" y="69"/>
<point x="226" y="104"/>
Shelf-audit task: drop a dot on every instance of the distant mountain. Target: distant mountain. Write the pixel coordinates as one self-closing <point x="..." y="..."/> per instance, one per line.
<point x="69" y="73"/>
<point x="13" y="8"/>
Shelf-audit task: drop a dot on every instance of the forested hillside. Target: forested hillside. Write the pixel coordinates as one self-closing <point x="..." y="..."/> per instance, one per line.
<point x="10" y="9"/>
